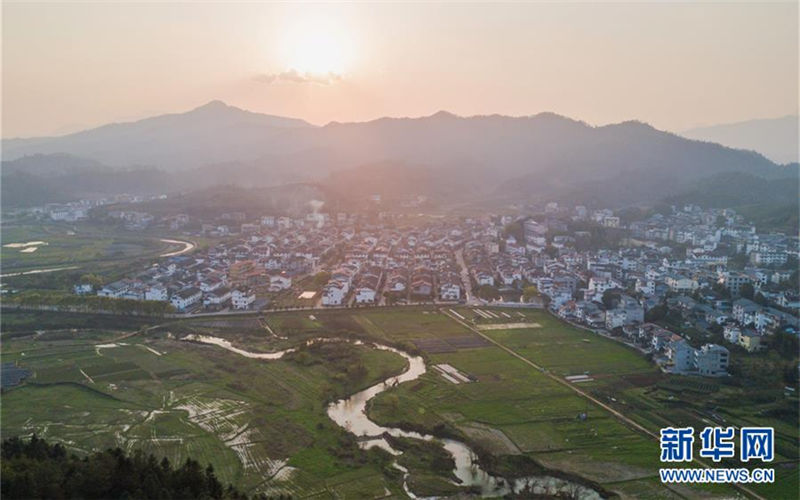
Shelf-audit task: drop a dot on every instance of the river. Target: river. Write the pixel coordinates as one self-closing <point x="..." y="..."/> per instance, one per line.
<point x="350" y="414"/>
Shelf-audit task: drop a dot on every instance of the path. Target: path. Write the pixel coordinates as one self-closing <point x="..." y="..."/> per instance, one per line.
<point x="187" y="247"/>
<point x="38" y="271"/>
<point x="468" y="296"/>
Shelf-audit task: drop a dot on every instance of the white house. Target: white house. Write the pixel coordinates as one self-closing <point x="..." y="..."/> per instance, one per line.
<point x="156" y="292"/>
<point x="745" y="310"/>
<point x="731" y="333"/>
<point x="279" y="282"/>
<point x="682" y="356"/>
<point x="598" y="285"/>
<point x="365" y="295"/>
<point x="449" y="291"/>
<point x="333" y="294"/>
<point x="647" y="287"/>
<point x="242" y="299"/>
<point x="114" y="290"/>
<point x="186" y="297"/>
<point x="681" y="284"/>
<point x="484" y="278"/>
<point x="217" y="297"/>
<point x="627" y="312"/>
<point x="768" y="258"/>
<point x="711" y="360"/>
<point x="396" y="284"/>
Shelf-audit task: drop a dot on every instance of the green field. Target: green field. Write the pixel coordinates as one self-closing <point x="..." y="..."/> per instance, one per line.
<point x="67" y="245"/>
<point x="263" y="423"/>
<point x="251" y="419"/>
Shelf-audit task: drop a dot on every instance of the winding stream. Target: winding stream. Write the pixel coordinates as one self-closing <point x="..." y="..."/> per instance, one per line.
<point x="350" y="414"/>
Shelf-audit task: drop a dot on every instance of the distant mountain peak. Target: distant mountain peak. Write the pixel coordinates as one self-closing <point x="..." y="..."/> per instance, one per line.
<point x="550" y="114"/>
<point x="218" y="109"/>
<point x="635" y="124"/>
<point x="442" y="114"/>
<point x="215" y="105"/>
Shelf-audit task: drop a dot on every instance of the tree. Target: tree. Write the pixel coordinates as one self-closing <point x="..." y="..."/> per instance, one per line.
<point x="656" y="313"/>
<point x="611" y="298"/>
<point x="487" y="292"/>
<point x="747" y="291"/>
<point x="36" y="469"/>
<point x="530" y="292"/>
<point x="720" y="290"/>
<point x="516" y="230"/>
<point x="92" y="279"/>
<point x="321" y="278"/>
<point x="738" y="261"/>
<point x="785" y="344"/>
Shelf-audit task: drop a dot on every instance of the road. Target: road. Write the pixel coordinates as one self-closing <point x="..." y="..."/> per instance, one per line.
<point x="622" y="418"/>
<point x="188" y="246"/>
<point x="38" y="271"/>
<point x="468" y="295"/>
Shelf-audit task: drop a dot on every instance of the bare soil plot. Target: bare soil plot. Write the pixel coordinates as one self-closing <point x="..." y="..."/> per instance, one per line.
<point x="434" y="346"/>
<point x="508" y="326"/>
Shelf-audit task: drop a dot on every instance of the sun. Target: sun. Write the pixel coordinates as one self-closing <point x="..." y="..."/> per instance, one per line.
<point x="317" y="50"/>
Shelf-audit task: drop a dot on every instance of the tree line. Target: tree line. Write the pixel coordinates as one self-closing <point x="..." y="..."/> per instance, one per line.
<point x="89" y="303"/>
<point x="36" y="469"/>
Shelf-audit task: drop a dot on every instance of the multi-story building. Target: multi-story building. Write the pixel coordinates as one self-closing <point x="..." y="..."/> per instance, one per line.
<point x="711" y="360"/>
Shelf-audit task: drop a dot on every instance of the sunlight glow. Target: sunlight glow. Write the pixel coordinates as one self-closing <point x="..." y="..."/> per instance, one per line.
<point x="317" y="49"/>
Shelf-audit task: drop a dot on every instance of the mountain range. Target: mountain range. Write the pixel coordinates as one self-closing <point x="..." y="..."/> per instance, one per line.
<point x="776" y="138"/>
<point x="458" y="159"/>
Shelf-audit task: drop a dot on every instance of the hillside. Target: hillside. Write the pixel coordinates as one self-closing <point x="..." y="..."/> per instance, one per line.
<point x="519" y="158"/>
<point x="776" y="138"/>
<point x="214" y="132"/>
<point x="769" y="203"/>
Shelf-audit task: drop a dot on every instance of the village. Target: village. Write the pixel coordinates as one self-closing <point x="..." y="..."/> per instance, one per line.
<point x="661" y="284"/>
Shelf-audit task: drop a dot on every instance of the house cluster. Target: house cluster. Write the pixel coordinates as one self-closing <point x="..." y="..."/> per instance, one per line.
<point x="132" y="220"/>
<point x="78" y="210"/>
<point x="674" y="354"/>
<point x="681" y="263"/>
<point x="709" y="268"/>
<point x="366" y="263"/>
<point x="186" y="283"/>
<point x="710" y="360"/>
<point x="379" y="265"/>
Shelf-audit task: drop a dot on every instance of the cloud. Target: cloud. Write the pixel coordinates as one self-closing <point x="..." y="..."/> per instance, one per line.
<point x="294" y="76"/>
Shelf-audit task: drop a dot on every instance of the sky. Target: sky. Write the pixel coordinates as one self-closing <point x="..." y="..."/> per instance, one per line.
<point x="69" y="66"/>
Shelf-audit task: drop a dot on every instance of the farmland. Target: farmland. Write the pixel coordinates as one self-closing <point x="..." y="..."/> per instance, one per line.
<point x="260" y="424"/>
<point x="263" y="424"/>
<point x="62" y="245"/>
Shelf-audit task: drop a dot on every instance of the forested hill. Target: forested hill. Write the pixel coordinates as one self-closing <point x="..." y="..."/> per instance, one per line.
<point x="35" y="469"/>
